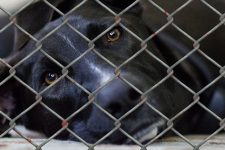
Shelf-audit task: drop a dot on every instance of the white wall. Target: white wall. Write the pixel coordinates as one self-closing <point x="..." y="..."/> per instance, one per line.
<point x="6" y="35"/>
<point x="11" y="5"/>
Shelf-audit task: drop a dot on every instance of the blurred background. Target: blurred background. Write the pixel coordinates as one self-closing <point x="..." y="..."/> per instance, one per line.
<point x="7" y="9"/>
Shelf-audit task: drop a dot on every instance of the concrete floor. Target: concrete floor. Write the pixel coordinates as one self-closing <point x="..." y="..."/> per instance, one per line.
<point x="216" y="143"/>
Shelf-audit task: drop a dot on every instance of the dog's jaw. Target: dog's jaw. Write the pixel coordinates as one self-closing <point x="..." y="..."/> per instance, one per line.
<point x="148" y="133"/>
<point x="25" y="132"/>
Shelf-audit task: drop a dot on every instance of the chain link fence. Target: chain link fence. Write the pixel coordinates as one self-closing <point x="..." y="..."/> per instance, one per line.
<point x="174" y="19"/>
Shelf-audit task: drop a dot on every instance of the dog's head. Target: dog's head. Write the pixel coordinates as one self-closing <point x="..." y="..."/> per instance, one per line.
<point x="91" y="71"/>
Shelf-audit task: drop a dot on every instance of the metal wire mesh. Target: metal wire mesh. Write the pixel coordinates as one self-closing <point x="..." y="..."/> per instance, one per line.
<point x="171" y="22"/>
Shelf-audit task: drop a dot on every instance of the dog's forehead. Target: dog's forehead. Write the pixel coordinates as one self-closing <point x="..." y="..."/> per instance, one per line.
<point x="71" y="39"/>
<point x="66" y="37"/>
<point x="65" y="45"/>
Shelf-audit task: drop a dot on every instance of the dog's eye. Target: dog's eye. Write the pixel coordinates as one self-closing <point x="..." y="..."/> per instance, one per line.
<point x="113" y="35"/>
<point x="50" y="77"/>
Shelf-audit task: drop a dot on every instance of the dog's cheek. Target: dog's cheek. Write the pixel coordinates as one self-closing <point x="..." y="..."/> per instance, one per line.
<point x="52" y="125"/>
<point x="40" y="118"/>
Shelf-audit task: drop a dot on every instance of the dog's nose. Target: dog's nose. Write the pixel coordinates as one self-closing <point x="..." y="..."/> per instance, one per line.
<point x="118" y="98"/>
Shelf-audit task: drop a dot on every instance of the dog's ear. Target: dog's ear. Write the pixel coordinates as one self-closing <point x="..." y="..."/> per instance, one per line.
<point x="32" y="19"/>
<point x="195" y="71"/>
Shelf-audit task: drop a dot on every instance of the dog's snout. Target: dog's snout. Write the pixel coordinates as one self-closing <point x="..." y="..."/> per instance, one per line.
<point x="118" y="98"/>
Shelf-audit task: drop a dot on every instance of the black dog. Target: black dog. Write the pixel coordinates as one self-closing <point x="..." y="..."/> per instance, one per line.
<point x="47" y="83"/>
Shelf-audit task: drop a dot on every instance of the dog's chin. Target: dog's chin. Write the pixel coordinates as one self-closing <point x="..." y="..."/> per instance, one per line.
<point x="148" y="133"/>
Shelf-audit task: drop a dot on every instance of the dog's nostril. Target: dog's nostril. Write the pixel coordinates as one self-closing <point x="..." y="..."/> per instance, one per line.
<point x="114" y="109"/>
